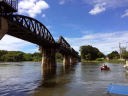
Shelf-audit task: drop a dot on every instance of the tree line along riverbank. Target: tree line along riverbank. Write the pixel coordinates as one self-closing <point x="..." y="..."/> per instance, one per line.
<point x="93" y="54"/>
<point x="17" y="56"/>
<point x="88" y="53"/>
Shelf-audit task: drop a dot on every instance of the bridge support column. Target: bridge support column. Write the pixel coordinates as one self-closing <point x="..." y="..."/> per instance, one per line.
<point x="66" y="60"/>
<point x="73" y="60"/>
<point x="3" y="27"/>
<point x="48" y="58"/>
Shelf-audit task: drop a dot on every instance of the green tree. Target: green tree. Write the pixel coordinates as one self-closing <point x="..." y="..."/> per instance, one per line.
<point x="100" y="55"/>
<point x="28" y="57"/>
<point x="2" y="52"/>
<point x="17" y="56"/>
<point x="90" y="53"/>
<point x="36" y="56"/>
<point x="113" y="55"/>
<point x="13" y="56"/>
<point x="88" y="56"/>
<point x="125" y="55"/>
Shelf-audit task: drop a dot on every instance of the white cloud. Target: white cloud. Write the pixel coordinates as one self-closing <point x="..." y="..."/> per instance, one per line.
<point x="32" y="7"/>
<point x="109" y="4"/>
<point x="98" y="8"/>
<point x="62" y="2"/>
<point x="125" y="14"/>
<point x="43" y="15"/>
<point x="14" y="44"/>
<point x="105" y="42"/>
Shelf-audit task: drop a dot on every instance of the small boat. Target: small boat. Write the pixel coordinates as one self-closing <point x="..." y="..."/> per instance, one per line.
<point x="104" y="67"/>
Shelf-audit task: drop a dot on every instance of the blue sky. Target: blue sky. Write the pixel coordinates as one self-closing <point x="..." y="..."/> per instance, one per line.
<point x="100" y="23"/>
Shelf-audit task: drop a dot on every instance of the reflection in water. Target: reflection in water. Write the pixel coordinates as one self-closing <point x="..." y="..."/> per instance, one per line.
<point x="48" y="75"/>
<point x="26" y="79"/>
<point x="54" y="82"/>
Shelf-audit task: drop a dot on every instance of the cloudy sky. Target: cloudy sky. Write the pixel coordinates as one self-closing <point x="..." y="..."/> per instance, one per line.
<point x="100" y="23"/>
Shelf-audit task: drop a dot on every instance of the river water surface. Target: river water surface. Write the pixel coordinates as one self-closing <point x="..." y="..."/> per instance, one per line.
<point x="27" y="79"/>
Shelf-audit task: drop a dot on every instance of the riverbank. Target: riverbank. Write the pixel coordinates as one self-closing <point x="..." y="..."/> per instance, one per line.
<point x="115" y="61"/>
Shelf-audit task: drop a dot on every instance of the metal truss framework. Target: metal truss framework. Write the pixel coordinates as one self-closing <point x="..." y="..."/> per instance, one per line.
<point x="32" y="25"/>
<point x="36" y="30"/>
<point x="66" y="47"/>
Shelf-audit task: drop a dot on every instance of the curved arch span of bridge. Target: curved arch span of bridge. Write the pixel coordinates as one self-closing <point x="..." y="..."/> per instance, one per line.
<point x="31" y="30"/>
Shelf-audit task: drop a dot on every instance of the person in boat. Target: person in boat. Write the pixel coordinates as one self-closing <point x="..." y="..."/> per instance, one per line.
<point x="104" y="67"/>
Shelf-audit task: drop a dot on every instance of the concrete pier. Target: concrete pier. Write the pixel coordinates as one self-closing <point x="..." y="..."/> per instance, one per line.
<point x="48" y="58"/>
<point x="66" y="60"/>
<point x="73" y="60"/>
<point x="3" y="27"/>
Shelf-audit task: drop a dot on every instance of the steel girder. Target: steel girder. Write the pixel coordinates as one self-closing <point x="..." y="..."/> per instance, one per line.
<point x="32" y="30"/>
<point x="32" y="26"/>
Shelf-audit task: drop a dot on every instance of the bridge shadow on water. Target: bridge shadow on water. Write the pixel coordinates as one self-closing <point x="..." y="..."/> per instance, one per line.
<point x="54" y="79"/>
<point x="50" y="77"/>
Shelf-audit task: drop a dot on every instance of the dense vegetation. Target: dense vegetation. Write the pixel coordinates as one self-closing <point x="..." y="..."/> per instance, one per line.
<point x="90" y="53"/>
<point x="113" y="55"/>
<point x="125" y="55"/>
<point x="116" y="55"/>
<point x="16" y="56"/>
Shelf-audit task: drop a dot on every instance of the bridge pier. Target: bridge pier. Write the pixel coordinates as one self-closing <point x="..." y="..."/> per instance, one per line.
<point x="48" y="58"/>
<point x="73" y="60"/>
<point x="3" y="27"/>
<point x="66" y="60"/>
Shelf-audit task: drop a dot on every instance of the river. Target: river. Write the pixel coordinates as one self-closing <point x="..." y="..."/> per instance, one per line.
<point x="27" y="79"/>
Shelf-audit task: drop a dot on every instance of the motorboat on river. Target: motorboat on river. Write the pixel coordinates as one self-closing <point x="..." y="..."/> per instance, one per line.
<point x="104" y="67"/>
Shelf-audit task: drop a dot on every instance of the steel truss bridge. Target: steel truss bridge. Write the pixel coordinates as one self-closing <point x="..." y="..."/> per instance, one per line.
<point x="33" y="31"/>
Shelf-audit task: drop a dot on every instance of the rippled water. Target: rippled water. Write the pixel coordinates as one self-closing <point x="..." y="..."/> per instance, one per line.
<point x="27" y="79"/>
